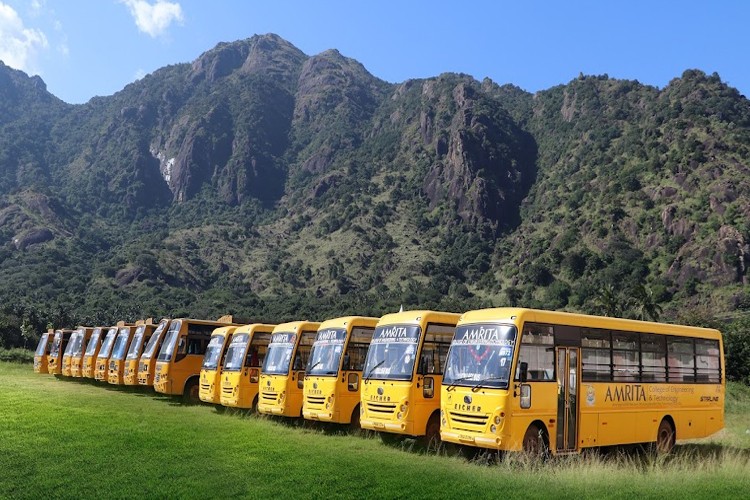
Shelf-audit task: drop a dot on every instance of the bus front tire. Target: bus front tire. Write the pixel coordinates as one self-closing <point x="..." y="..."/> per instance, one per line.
<point x="192" y="392"/>
<point x="535" y="442"/>
<point x="665" y="438"/>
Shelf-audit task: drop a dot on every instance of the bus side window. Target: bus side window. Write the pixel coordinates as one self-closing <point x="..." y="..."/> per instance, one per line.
<point x="537" y="350"/>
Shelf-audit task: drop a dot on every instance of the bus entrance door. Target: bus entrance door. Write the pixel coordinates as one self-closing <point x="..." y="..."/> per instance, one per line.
<point x="567" y="398"/>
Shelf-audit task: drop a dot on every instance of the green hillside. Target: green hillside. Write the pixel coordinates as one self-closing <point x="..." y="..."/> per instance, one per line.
<point x="264" y="182"/>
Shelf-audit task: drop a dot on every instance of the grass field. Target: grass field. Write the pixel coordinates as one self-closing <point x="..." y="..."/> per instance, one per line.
<point x="63" y="438"/>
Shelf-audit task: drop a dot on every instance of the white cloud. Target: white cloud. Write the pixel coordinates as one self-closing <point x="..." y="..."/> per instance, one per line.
<point x="154" y="19"/>
<point x="139" y="73"/>
<point x="19" y="45"/>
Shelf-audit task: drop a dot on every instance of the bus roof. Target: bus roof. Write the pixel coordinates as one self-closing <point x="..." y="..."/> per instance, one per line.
<point x="519" y="315"/>
<point x="349" y="321"/>
<point x="419" y="316"/>
<point x="223" y="330"/>
<point x="296" y="326"/>
<point x="254" y="327"/>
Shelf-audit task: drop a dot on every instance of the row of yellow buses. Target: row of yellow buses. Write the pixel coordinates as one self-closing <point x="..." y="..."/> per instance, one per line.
<point x="507" y="379"/>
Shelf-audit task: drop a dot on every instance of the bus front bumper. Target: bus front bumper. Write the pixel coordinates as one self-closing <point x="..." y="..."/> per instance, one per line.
<point x="480" y="440"/>
<point x="384" y="426"/>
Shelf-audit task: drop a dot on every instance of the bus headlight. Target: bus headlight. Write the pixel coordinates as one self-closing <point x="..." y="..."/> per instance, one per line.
<point x="493" y="428"/>
<point x="402" y="409"/>
<point x="497" y="420"/>
<point x="400" y="416"/>
<point x="282" y="396"/>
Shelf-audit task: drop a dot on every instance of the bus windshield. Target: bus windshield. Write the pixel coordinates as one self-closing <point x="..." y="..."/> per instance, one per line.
<point x="77" y="342"/>
<point x="151" y="346"/>
<point x="279" y="354"/>
<point x="107" y="344"/>
<point x="93" y="342"/>
<point x="481" y="356"/>
<point x="42" y="345"/>
<point x="55" y="350"/>
<point x="392" y="352"/>
<point x="71" y="344"/>
<point x="236" y="353"/>
<point x="118" y="351"/>
<point x="213" y="352"/>
<point x="135" y="344"/>
<point x="167" y="347"/>
<point x="326" y="352"/>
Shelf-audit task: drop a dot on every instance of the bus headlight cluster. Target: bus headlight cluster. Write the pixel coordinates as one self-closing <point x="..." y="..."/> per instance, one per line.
<point x="443" y="421"/>
<point x="282" y="396"/>
<point x="330" y="402"/>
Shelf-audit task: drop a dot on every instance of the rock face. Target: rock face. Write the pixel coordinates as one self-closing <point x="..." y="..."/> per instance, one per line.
<point x="32" y="237"/>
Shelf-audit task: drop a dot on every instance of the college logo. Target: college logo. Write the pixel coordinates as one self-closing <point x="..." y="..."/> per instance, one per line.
<point x="590" y="395"/>
<point x="467" y="400"/>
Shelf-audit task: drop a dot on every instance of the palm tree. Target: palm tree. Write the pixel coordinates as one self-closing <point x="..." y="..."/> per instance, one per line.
<point x="646" y="307"/>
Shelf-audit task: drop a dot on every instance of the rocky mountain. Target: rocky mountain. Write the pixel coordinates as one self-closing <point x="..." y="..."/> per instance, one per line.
<point x="263" y="181"/>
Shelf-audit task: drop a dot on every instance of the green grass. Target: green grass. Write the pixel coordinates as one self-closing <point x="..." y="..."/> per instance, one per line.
<point x="17" y="355"/>
<point x="64" y="438"/>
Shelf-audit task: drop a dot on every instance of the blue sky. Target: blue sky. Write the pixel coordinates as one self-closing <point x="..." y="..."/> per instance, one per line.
<point x="84" y="48"/>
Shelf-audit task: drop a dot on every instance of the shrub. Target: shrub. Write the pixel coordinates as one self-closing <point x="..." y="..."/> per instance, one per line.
<point x="17" y="355"/>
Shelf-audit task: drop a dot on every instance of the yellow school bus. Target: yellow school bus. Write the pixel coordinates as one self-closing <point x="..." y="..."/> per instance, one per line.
<point x="92" y="351"/>
<point x="59" y="346"/>
<point x="147" y="361"/>
<point x="83" y="335"/>
<point x="42" y="352"/>
<point x="116" y="364"/>
<point x="334" y="371"/>
<point x="102" y="358"/>
<point x="141" y="337"/>
<point x="213" y="360"/>
<point x="178" y="365"/>
<point x="66" y="364"/>
<point x="241" y="370"/>
<point x="522" y="379"/>
<point x="283" y="373"/>
<point x="403" y="372"/>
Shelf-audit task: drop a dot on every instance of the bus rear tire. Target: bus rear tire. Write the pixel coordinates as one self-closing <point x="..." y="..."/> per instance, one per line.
<point x="354" y="426"/>
<point x="665" y="438"/>
<point x="535" y="442"/>
<point x="431" y="438"/>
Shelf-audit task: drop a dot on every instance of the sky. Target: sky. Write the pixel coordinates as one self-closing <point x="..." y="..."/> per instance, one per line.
<point x="87" y="48"/>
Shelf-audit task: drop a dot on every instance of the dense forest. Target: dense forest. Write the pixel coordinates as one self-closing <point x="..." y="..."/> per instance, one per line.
<point x="270" y="184"/>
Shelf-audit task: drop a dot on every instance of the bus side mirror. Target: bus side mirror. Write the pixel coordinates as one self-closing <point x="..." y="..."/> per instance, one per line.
<point x="300" y="380"/>
<point x="524" y="371"/>
<point x="525" y="396"/>
<point x="353" y="382"/>
<point x="428" y="388"/>
<point x="254" y="376"/>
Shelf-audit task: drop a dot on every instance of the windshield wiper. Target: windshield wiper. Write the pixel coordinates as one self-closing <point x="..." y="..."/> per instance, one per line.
<point x="367" y="377"/>
<point x="476" y="387"/>
<point x="453" y="384"/>
<point x="313" y="366"/>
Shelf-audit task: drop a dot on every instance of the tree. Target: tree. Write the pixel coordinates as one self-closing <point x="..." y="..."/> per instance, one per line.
<point x="28" y="333"/>
<point x="645" y="306"/>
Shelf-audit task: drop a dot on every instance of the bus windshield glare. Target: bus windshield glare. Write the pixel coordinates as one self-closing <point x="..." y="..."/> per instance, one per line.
<point x="167" y="347"/>
<point x="392" y="352"/>
<point x="481" y="356"/>
<point x="77" y="341"/>
<point x="135" y="344"/>
<point x="42" y="345"/>
<point x="93" y="341"/>
<point x="107" y="345"/>
<point x="55" y="350"/>
<point x="279" y="355"/>
<point x="151" y="346"/>
<point x="236" y="353"/>
<point x="118" y="351"/>
<point x="213" y="352"/>
<point x="326" y="352"/>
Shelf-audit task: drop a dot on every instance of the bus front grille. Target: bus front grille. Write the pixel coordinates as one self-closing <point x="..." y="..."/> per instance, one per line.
<point x="205" y="387"/>
<point x="227" y="389"/>
<point x="469" y="419"/>
<point x="316" y="400"/>
<point x="381" y="408"/>
<point x="268" y="396"/>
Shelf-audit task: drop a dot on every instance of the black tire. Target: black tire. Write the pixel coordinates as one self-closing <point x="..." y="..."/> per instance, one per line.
<point x="431" y="438"/>
<point x="665" y="438"/>
<point x="254" y="406"/>
<point x="390" y="439"/>
<point x="191" y="394"/>
<point x="535" y="442"/>
<point x="354" y="426"/>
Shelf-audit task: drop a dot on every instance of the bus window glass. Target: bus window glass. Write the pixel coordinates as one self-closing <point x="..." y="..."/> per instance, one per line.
<point x="681" y="360"/>
<point x="55" y="350"/>
<point x="303" y="349"/>
<point x="170" y="340"/>
<point x="537" y="349"/>
<point x="707" y="361"/>
<point x="109" y="340"/>
<point x="437" y="342"/>
<point x="392" y="352"/>
<point x="213" y="352"/>
<point x="93" y="342"/>
<point x="596" y="359"/>
<point x="236" y="352"/>
<point x="279" y="354"/>
<point x="326" y="352"/>
<point x="148" y="351"/>
<point x="653" y="358"/>
<point x="42" y="345"/>
<point x="118" y="351"/>
<point x="258" y="349"/>
<point x="481" y="355"/>
<point x="356" y="350"/>
<point x="135" y="344"/>
<point x="625" y="357"/>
